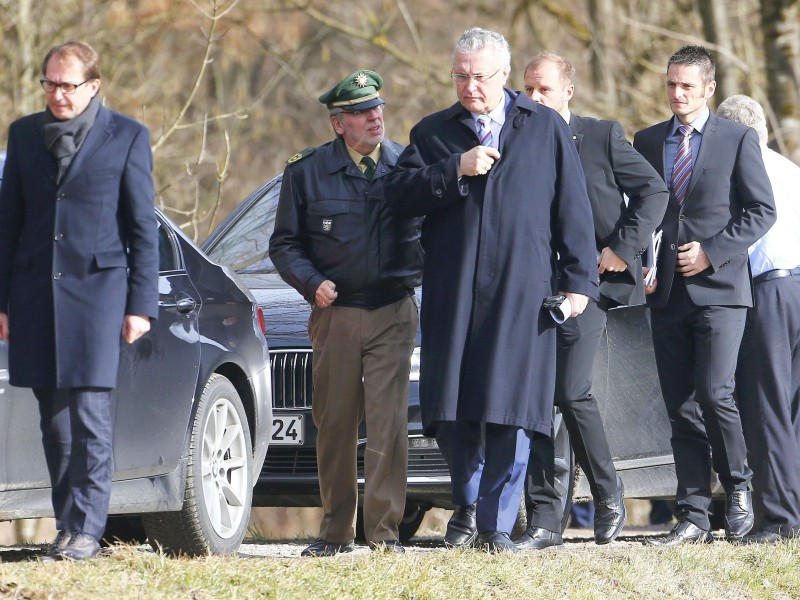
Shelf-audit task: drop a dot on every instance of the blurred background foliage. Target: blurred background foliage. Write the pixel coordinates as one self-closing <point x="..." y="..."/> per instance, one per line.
<point x="228" y="88"/>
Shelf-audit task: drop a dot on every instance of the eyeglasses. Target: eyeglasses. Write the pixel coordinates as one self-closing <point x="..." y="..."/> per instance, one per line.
<point x="364" y="112"/>
<point x="66" y="88"/>
<point x="463" y="78"/>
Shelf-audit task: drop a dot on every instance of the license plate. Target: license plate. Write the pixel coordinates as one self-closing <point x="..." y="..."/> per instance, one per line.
<point x="287" y="430"/>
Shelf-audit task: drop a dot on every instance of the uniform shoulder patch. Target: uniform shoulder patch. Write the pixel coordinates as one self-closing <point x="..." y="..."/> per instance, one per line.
<point x="301" y="155"/>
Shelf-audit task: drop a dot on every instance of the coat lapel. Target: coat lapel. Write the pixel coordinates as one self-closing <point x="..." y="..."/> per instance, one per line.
<point x="576" y="128"/>
<point x="708" y="148"/>
<point x="98" y="135"/>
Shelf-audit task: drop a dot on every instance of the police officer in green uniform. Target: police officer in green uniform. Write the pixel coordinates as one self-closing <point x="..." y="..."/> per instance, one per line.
<point x="337" y="243"/>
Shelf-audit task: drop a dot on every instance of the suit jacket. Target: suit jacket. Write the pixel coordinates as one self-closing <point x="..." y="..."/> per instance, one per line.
<point x="76" y="257"/>
<point x="728" y="206"/>
<point x="613" y="168"/>
<point x="494" y="245"/>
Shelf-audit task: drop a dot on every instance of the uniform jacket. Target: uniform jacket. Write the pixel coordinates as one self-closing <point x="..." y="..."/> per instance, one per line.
<point x="333" y="223"/>
<point x="612" y="167"/>
<point x="728" y="206"/>
<point x="488" y="348"/>
<point x="76" y="257"/>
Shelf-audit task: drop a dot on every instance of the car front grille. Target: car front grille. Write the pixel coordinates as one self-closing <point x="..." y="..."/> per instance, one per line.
<point x="290" y="461"/>
<point x="291" y="378"/>
<point x="303" y="462"/>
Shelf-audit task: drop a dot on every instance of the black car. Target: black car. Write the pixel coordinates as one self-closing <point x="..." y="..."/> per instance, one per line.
<point x="625" y="381"/>
<point x="192" y="414"/>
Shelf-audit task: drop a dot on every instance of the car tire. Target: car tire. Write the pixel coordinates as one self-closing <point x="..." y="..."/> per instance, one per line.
<point x="127" y="529"/>
<point x="218" y="491"/>
<point x="564" y="477"/>
<point x="564" y="467"/>
<point x="412" y="519"/>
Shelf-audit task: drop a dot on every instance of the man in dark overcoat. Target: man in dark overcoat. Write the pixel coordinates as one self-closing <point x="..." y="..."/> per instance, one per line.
<point x="500" y="184"/>
<point x="78" y="271"/>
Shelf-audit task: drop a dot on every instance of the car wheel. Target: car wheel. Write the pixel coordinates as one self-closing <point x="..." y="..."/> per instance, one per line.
<point x="564" y="477"/>
<point x="127" y="529"/>
<point x="564" y="466"/>
<point x="412" y="518"/>
<point x="218" y="492"/>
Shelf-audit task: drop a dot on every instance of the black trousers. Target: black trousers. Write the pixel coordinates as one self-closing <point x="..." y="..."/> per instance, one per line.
<point x="77" y="436"/>
<point x="768" y="395"/>
<point x="696" y="349"/>
<point x="578" y="340"/>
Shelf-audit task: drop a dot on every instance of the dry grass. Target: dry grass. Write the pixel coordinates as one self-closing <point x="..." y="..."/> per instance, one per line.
<point x="582" y="570"/>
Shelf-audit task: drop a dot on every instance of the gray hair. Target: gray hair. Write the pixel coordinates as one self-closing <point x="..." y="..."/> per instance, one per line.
<point x="743" y="109"/>
<point x="475" y="38"/>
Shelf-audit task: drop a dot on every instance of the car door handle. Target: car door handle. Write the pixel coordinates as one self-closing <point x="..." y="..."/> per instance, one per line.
<point x="183" y="305"/>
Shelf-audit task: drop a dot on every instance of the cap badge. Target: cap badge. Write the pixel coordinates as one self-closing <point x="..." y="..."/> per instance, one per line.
<point x="361" y="80"/>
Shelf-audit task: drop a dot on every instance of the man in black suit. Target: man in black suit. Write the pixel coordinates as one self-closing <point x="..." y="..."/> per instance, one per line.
<point x="78" y="272"/>
<point x="720" y="203"/>
<point x="622" y="229"/>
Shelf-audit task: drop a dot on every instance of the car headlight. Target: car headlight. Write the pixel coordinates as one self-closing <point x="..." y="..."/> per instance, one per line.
<point x="414" y="375"/>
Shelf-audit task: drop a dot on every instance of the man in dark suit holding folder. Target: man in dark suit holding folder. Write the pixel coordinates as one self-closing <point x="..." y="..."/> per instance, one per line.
<point x="720" y="203"/>
<point x="622" y="229"/>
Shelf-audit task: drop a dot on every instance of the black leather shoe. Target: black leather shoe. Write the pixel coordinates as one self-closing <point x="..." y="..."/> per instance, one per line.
<point x="609" y="516"/>
<point x="496" y="541"/>
<point x="390" y="546"/>
<point x="80" y="547"/>
<point x="55" y="547"/>
<point x="762" y="536"/>
<point x="323" y="548"/>
<point x="684" y="532"/>
<point x="537" y="538"/>
<point x="462" y="529"/>
<point x="739" y="515"/>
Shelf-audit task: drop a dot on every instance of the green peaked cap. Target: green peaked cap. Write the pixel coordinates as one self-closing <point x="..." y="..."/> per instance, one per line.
<point x="357" y="91"/>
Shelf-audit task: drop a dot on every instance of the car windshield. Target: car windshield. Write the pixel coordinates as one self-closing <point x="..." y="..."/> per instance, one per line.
<point x="245" y="245"/>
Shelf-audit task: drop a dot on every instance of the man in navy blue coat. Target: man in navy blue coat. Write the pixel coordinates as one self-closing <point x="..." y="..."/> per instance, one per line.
<point x="505" y="227"/>
<point x="78" y="271"/>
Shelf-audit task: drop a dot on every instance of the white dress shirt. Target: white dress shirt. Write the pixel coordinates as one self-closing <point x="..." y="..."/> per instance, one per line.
<point x="780" y="246"/>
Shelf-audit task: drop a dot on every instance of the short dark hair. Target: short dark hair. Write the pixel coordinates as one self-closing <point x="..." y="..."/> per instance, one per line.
<point x="82" y="51"/>
<point x="695" y="55"/>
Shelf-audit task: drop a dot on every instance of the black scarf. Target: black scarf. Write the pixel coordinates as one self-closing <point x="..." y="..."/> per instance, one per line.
<point x="64" y="138"/>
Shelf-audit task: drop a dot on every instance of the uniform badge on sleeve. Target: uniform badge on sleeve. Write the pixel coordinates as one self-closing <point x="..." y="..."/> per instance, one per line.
<point x="327" y="225"/>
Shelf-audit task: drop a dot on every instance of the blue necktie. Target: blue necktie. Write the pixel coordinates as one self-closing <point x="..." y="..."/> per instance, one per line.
<point x="485" y="130"/>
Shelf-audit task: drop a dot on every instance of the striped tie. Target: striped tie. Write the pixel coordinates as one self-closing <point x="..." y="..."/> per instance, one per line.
<point x="682" y="168"/>
<point x="485" y="131"/>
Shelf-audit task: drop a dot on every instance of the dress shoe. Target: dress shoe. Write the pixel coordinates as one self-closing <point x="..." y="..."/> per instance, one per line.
<point x="389" y="546"/>
<point x="54" y="549"/>
<point x="762" y="536"/>
<point x="323" y="548"/>
<point x="80" y="547"/>
<point x="462" y="529"/>
<point x="609" y="516"/>
<point x="496" y="541"/>
<point x="739" y="515"/>
<point x="537" y="538"/>
<point x="684" y="532"/>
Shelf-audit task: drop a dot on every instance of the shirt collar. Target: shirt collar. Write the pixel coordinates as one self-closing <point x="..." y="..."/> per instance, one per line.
<point x="374" y="155"/>
<point x="498" y="113"/>
<point x="697" y="125"/>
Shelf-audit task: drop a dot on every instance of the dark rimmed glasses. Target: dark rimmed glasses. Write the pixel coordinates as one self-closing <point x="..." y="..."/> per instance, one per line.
<point x="66" y="87"/>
